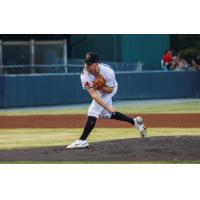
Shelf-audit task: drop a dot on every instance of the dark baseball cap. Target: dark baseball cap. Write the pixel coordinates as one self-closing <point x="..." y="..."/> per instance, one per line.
<point x="91" y="58"/>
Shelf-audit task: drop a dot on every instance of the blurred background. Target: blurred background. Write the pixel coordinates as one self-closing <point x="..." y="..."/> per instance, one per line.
<point x="63" y="53"/>
<point x="40" y="69"/>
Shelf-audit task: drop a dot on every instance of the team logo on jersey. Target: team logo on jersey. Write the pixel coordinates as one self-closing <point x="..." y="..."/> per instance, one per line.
<point x="87" y="84"/>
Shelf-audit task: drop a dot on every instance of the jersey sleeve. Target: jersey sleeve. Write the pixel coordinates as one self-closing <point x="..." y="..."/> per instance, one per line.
<point x="111" y="78"/>
<point x="85" y="82"/>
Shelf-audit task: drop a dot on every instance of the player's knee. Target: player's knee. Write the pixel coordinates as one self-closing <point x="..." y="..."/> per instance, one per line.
<point x="93" y="114"/>
<point x="106" y="116"/>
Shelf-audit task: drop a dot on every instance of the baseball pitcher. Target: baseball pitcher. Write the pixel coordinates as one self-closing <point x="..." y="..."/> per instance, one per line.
<point x="99" y="80"/>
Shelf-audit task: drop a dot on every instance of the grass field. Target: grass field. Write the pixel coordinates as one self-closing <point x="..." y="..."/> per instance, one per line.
<point x="28" y="138"/>
<point x="186" y="107"/>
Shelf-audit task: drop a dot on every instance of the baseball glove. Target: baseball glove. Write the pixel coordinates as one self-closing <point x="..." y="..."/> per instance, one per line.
<point x="99" y="82"/>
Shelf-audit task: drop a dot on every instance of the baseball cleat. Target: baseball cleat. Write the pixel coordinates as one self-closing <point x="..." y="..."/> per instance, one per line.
<point x="78" y="144"/>
<point x="139" y="124"/>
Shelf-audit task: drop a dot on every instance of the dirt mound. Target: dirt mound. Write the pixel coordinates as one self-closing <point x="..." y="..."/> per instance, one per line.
<point x="138" y="149"/>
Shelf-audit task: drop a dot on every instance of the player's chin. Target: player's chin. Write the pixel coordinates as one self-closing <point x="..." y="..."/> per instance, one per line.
<point x="93" y="72"/>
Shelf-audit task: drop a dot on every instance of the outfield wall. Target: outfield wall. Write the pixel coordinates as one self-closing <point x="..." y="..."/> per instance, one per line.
<point x="38" y="90"/>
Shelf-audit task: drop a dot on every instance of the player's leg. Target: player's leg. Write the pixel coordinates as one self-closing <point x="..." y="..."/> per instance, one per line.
<point x="120" y="116"/>
<point x="137" y="121"/>
<point x="90" y="124"/>
<point x="93" y="113"/>
<point x="116" y="115"/>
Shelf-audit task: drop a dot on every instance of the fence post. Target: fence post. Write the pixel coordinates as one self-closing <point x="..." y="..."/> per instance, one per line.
<point x="32" y="53"/>
<point x="65" y="55"/>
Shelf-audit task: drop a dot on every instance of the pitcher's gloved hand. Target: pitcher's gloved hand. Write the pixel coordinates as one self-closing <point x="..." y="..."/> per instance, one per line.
<point x="99" y="82"/>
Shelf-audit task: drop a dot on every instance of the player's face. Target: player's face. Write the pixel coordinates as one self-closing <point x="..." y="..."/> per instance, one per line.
<point x="92" y="69"/>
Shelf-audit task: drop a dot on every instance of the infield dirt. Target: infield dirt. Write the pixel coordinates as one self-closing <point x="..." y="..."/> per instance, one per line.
<point x="188" y="120"/>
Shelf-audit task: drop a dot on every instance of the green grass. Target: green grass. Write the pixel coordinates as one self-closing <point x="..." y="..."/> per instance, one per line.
<point x="187" y="107"/>
<point x="29" y="138"/>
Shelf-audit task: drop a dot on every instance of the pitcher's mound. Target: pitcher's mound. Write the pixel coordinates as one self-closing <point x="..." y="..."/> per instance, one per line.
<point x="147" y="149"/>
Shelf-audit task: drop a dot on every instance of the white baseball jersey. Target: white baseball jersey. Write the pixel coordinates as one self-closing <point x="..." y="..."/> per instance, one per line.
<point x="87" y="79"/>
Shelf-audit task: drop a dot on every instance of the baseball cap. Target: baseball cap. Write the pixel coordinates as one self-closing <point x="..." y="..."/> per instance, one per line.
<point x="91" y="58"/>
